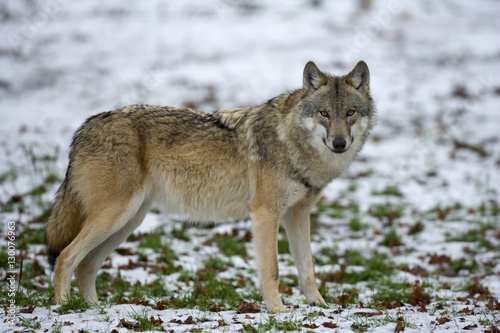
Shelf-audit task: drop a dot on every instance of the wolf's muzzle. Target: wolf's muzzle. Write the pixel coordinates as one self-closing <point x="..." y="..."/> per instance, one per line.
<point x="339" y="145"/>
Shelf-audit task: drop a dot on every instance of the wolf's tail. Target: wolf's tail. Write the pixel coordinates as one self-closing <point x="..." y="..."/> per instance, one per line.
<point x="65" y="221"/>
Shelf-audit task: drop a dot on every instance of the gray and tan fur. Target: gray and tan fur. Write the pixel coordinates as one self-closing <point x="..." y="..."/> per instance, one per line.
<point x="268" y="163"/>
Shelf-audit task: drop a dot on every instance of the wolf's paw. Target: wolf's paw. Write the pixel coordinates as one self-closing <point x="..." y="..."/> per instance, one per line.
<point x="317" y="300"/>
<point x="323" y="305"/>
<point x="276" y="306"/>
<point x="281" y="309"/>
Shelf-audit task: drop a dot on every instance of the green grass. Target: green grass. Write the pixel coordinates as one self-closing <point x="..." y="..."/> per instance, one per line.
<point x="390" y="190"/>
<point x="327" y="256"/>
<point x="142" y="322"/>
<point x="286" y="325"/>
<point x="344" y="298"/>
<point x="416" y="228"/>
<point x="229" y="245"/>
<point x="283" y="245"/>
<point x="29" y="236"/>
<point x="470" y="265"/>
<point x="153" y="241"/>
<point x="10" y="175"/>
<point x="387" y="212"/>
<point x="338" y="210"/>
<point x="73" y="304"/>
<point x="366" y="322"/>
<point x="489" y="208"/>
<point x="290" y="281"/>
<point x="360" y="267"/>
<point x="478" y="236"/>
<point x="217" y="263"/>
<point x="355" y="224"/>
<point x="470" y="236"/>
<point x="388" y="291"/>
<point x="115" y="289"/>
<point x="392" y="238"/>
<point x="181" y="233"/>
<point x="112" y="288"/>
<point x="375" y="266"/>
<point x="206" y="291"/>
<point x="29" y="324"/>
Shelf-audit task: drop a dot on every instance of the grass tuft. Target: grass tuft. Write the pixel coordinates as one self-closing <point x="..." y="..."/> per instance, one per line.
<point x="73" y="304"/>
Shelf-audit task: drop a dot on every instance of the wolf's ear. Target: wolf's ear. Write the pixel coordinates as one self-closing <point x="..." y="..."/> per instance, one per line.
<point x="313" y="78"/>
<point x="359" y="77"/>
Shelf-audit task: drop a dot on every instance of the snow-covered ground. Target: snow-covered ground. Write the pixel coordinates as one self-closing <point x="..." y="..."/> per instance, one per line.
<point x="434" y="77"/>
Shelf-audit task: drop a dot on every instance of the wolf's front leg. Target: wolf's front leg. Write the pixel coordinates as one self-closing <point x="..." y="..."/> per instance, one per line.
<point x="297" y="225"/>
<point x="265" y="237"/>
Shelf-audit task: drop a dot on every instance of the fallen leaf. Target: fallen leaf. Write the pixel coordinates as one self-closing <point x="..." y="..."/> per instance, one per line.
<point x="160" y="306"/>
<point x="470" y="327"/>
<point x="493" y="329"/>
<point x="156" y="321"/>
<point x="439" y="259"/>
<point x="126" y="324"/>
<point x="133" y="265"/>
<point x="124" y="251"/>
<point x="466" y="311"/>
<point x="493" y="304"/>
<point x="418" y="297"/>
<point x="138" y="301"/>
<point x="443" y="320"/>
<point x="418" y="271"/>
<point x="29" y="309"/>
<point x="313" y="326"/>
<point x="249" y="328"/>
<point x="220" y="323"/>
<point x="392" y="304"/>
<point x="400" y="325"/>
<point x="214" y="308"/>
<point x="368" y="314"/>
<point x="329" y="325"/>
<point x="247" y="307"/>
<point x="285" y="290"/>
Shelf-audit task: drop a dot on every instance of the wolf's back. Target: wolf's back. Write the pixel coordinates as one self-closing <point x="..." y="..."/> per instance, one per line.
<point x="65" y="221"/>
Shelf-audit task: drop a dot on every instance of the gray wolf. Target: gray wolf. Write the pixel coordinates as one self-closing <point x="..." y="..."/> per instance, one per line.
<point x="268" y="163"/>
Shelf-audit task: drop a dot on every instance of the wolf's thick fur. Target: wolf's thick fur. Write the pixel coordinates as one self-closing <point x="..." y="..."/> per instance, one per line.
<point x="269" y="163"/>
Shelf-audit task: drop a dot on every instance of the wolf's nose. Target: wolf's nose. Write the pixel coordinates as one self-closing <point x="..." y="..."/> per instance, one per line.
<point x="339" y="144"/>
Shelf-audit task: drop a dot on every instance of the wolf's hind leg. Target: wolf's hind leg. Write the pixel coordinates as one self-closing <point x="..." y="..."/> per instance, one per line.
<point x="86" y="272"/>
<point x="101" y="223"/>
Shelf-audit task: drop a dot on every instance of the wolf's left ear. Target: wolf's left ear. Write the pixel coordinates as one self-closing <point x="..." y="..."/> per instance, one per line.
<point x="313" y="78"/>
<point x="359" y="77"/>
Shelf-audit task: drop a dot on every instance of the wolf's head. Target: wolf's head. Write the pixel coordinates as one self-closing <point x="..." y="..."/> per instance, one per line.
<point x="337" y="110"/>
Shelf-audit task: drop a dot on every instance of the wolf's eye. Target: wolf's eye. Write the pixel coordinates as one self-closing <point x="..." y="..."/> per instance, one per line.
<point x="350" y="112"/>
<point x="323" y="113"/>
